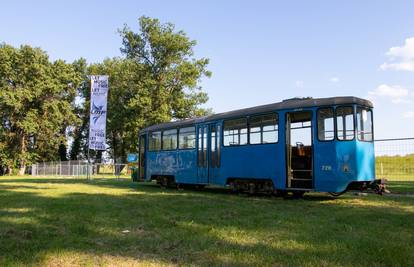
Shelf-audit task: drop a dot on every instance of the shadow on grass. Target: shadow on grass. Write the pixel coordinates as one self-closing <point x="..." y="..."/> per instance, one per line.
<point x="202" y="228"/>
<point x="148" y="186"/>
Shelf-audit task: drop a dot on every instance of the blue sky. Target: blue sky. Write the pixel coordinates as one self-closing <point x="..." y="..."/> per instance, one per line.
<point x="260" y="51"/>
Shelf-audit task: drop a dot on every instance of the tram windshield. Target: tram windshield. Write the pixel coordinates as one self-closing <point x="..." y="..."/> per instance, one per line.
<point x="344" y="126"/>
<point x="364" y="124"/>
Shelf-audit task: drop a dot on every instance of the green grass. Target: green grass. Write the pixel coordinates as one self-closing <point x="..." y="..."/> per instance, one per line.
<point x="401" y="187"/>
<point x="66" y="222"/>
<point x="395" y="168"/>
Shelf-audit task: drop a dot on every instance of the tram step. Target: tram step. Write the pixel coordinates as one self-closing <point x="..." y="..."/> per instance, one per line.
<point x="300" y="189"/>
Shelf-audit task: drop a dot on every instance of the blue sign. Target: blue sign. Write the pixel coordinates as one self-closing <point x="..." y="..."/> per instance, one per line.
<point x="132" y="158"/>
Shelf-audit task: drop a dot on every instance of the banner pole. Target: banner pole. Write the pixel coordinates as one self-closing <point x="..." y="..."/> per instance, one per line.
<point x="88" y="168"/>
<point x="97" y="116"/>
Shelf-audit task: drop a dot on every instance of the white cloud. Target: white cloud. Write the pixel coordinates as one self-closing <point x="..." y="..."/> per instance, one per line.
<point x="406" y="51"/>
<point x="408" y="66"/>
<point x="299" y="84"/>
<point x="334" y="79"/>
<point x="409" y="114"/>
<point x="400" y="57"/>
<point x="397" y="94"/>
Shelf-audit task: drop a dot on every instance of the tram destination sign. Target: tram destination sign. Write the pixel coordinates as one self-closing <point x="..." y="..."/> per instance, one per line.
<point x="98" y="109"/>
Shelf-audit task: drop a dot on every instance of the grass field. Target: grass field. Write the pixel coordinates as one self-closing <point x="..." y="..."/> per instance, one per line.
<point x="66" y="222"/>
<point x="395" y="168"/>
<point x="401" y="187"/>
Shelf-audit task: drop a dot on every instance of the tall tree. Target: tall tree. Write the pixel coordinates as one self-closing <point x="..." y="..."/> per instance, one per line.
<point x="36" y="97"/>
<point x="79" y="133"/>
<point x="172" y="74"/>
<point x="158" y="81"/>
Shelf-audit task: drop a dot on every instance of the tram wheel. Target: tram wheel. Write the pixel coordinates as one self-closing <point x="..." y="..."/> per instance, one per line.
<point x="164" y="182"/>
<point x="199" y="187"/>
<point x="298" y="194"/>
<point x="337" y="194"/>
<point x="280" y="193"/>
<point x="233" y="187"/>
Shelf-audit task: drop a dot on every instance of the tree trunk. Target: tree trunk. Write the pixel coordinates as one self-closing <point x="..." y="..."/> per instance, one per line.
<point x="76" y="148"/>
<point x="114" y="146"/>
<point x="9" y="170"/>
<point x="98" y="159"/>
<point x="22" y="168"/>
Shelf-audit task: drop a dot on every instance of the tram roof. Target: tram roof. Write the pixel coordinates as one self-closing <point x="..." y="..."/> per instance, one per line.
<point x="292" y="103"/>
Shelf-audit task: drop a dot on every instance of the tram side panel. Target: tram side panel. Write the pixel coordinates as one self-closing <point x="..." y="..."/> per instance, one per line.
<point x="251" y="162"/>
<point x="180" y="164"/>
<point x="162" y="163"/>
<point x="365" y="160"/>
<point x="186" y="168"/>
<point x="325" y="166"/>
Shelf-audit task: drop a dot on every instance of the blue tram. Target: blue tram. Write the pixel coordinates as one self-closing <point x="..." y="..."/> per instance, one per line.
<point x="297" y="145"/>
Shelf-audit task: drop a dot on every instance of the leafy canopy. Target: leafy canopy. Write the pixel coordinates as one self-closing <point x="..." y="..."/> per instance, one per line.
<point x="157" y="81"/>
<point x="36" y="97"/>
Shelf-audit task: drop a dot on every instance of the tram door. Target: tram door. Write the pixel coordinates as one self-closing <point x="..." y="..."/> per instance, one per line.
<point x="202" y="154"/>
<point x="215" y="152"/>
<point x="142" y="145"/>
<point x="208" y="152"/>
<point x="299" y="150"/>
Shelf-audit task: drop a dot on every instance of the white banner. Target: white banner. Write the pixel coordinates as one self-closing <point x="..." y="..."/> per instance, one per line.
<point x="97" y="122"/>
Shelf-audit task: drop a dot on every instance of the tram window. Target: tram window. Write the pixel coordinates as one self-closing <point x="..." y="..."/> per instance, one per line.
<point x="255" y="124"/>
<point x="364" y="124"/>
<point x="186" y="138"/>
<point x="263" y="129"/>
<point x="326" y="124"/>
<point x="345" y="123"/>
<point x="169" y="139"/>
<point x="270" y="128"/>
<point x="218" y="146"/>
<point x="200" y="147"/>
<point x="213" y="146"/>
<point x="205" y="146"/>
<point x="235" y="132"/>
<point x="155" y="141"/>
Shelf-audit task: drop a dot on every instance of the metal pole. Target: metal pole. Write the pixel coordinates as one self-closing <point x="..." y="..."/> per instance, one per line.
<point x="87" y="169"/>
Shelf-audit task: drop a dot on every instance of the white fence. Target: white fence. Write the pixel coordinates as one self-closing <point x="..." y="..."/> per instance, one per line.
<point x="394" y="159"/>
<point x="80" y="169"/>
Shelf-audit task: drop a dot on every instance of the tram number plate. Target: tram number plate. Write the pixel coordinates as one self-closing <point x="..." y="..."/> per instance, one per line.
<point x="326" y="168"/>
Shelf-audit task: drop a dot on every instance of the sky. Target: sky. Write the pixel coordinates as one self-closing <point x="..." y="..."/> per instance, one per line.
<point x="260" y="51"/>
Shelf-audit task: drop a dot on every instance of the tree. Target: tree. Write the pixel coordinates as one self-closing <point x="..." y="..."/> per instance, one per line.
<point x="79" y="132"/>
<point x="123" y="120"/>
<point x="62" y="152"/>
<point x="157" y="82"/>
<point x="36" y="97"/>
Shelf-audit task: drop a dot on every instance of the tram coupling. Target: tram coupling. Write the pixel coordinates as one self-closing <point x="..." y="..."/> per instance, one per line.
<point x="379" y="186"/>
